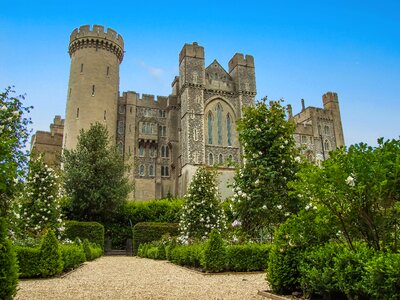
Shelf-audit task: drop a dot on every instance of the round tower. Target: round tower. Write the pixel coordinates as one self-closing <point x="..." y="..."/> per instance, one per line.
<point x="93" y="87"/>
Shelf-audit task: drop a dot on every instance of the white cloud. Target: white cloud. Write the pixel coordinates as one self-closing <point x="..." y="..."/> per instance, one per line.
<point x="152" y="71"/>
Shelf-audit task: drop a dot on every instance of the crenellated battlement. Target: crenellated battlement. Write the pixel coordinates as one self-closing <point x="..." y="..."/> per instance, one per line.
<point x="241" y="60"/>
<point x="330" y="97"/>
<point x="96" y="37"/>
<point x="153" y="101"/>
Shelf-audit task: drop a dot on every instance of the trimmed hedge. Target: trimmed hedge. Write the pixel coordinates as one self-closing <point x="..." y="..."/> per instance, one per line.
<point x="92" y="231"/>
<point x="147" y="232"/>
<point x="164" y="210"/>
<point x="51" y="262"/>
<point x="91" y="250"/>
<point x="247" y="257"/>
<point x="8" y="264"/>
<point x="190" y="255"/>
<point x="72" y="255"/>
<point x="214" y="254"/>
<point x="29" y="261"/>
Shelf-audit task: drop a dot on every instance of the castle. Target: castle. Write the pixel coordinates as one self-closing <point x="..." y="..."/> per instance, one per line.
<point x="166" y="138"/>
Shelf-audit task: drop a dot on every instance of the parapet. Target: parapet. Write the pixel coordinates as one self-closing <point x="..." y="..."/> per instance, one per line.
<point x="153" y="101"/>
<point x="191" y="50"/>
<point x="240" y="60"/>
<point x="329" y="97"/>
<point x="96" y="37"/>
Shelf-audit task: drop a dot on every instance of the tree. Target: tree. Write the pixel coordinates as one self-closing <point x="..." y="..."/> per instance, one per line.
<point x="202" y="209"/>
<point x="261" y="198"/>
<point x="94" y="177"/>
<point x="13" y="137"/>
<point x="361" y="189"/>
<point x="40" y="204"/>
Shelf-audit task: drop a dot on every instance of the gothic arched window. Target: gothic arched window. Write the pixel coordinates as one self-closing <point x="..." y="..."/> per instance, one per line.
<point x="229" y="129"/>
<point x="210" y="159"/>
<point x="209" y="128"/>
<point x="220" y="159"/>
<point x="219" y="123"/>
<point x="141" y="150"/>
<point x="326" y="145"/>
<point x="141" y="170"/>
<point x="151" y="170"/>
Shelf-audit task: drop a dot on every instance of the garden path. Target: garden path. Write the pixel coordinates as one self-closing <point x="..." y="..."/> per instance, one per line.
<point x="113" y="277"/>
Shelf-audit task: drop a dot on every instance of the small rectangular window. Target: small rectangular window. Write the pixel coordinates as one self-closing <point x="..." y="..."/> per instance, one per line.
<point x="77" y="113"/>
<point x="81" y="68"/>
<point x="93" y="90"/>
<point x="105" y="115"/>
<point x="108" y="70"/>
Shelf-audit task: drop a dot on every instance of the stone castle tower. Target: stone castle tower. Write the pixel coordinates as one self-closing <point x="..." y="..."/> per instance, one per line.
<point x="165" y="138"/>
<point x="93" y="82"/>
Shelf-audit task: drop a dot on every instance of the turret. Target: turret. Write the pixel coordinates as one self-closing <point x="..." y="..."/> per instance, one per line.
<point x="241" y="69"/>
<point x="331" y="103"/>
<point x="93" y="82"/>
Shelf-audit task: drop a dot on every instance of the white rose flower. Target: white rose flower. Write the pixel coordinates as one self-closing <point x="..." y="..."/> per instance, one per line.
<point x="350" y="181"/>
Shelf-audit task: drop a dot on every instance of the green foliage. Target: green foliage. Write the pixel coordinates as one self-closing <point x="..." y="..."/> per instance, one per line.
<point x="163" y="210"/>
<point x="382" y="276"/>
<point x="283" y="273"/>
<point x="40" y="207"/>
<point x="94" y="176"/>
<point x="51" y="262"/>
<point x="214" y="252"/>
<point x="334" y="269"/>
<point x="28" y="261"/>
<point x="154" y="250"/>
<point x="8" y="264"/>
<point x="14" y="135"/>
<point x="360" y="187"/>
<point x="146" y="232"/>
<point x="202" y="210"/>
<point x="187" y="255"/>
<point x="92" y="231"/>
<point x="261" y="195"/>
<point x="247" y="257"/>
<point x="72" y="255"/>
<point x="91" y="250"/>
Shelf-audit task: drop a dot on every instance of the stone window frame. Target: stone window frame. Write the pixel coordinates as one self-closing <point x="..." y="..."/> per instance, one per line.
<point x="121" y="109"/>
<point x="165" y="151"/>
<point x="220" y="159"/>
<point x="210" y="159"/>
<point x="210" y="119"/>
<point x="121" y="127"/>
<point x="162" y="113"/>
<point x="152" y="172"/>
<point x="326" y="145"/>
<point x="303" y="139"/>
<point x="163" y="130"/>
<point x="229" y="129"/>
<point x="219" y="111"/>
<point x="142" y="150"/>
<point x="142" y="171"/>
<point x="326" y="130"/>
<point x="153" y="151"/>
<point x="164" y="171"/>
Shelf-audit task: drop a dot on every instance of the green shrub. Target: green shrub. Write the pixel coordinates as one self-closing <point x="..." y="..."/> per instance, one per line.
<point x="50" y="255"/>
<point x="190" y="255"/>
<point x="29" y="261"/>
<point x="92" y="231"/>
<point x="283" y="273"/>
<point x="72" y="255"/>
<point x="96" y="251"/>
<point x="148" y="231"/>
<point x="8" y="264"/>
<point x="334" y="270"/>
<point x="91" y="250"/>
<point x="382" y="277"/>
<point x="214" y="253"/>
<point x="248" y="257"/>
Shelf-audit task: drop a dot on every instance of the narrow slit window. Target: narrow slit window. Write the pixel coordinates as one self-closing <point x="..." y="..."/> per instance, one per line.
<point x="93" y="89"/>
<point x="105" y="115"/>
<point x="77" y="113"/>
<point x="108" y="70"/>
<point x="81" y="68"/>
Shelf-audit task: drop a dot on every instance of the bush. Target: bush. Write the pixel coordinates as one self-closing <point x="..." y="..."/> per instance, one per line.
<point x="334" y="270"/>
<point x="8" y="264"/>
<point x="91" y="250"/>
<point x="190" y="255"/>
<point x="29" y="261"/>
<point x="248" y="257"/>
<point x="148" y="231"/>
<point x="72" y="255"/>
<point x="283" y="273"/>
<point x="214" y="253"/>
<point x="92" y="231"/>
<point x="50" y="255"/>
<point x="382" y="277"/>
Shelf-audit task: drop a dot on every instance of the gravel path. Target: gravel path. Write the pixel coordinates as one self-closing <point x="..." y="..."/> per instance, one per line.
<point x="113" y="277"/>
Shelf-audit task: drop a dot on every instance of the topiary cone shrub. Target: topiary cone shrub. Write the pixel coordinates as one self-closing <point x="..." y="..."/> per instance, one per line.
<point x="51" y="262"/>
<point x="214" y="253"/>
<point x="8" y="265"/>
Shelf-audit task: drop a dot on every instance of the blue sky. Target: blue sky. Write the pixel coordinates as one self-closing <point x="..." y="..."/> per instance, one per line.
<point x="302" y="49"/>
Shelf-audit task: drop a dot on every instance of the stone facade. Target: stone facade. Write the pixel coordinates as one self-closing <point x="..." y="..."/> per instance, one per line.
<point x="165" y="138"/>
<point x="49" y="143"/>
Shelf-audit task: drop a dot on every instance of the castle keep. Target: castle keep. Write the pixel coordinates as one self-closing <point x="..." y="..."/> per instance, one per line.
<point x="166" y="138"/>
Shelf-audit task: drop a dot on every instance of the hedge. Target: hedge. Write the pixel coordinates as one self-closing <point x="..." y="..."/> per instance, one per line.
<point x="29" y="261"/>
<point x="164" y="210"/>
<point x="92" y="231"/>
<point x="150" y="231"/>
<point x="247" y="257"/>
<point x="91" y="250"/>
<point x="72" y="255"/>
<point x="51" y="262"/>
